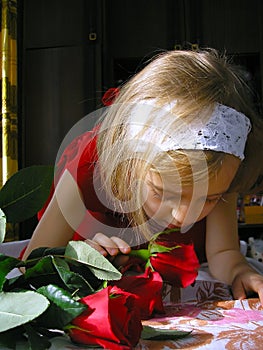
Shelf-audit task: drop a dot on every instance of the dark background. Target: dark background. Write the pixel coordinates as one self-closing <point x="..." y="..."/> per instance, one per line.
<point x="72" y="51"/>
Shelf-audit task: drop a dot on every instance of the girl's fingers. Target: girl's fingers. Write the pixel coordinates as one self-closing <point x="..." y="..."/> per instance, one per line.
<point x="260" y="295"/>
<point x="122" y="245"/>
<point x="238" y="289"/>
<point x="112" y="245"/>
<point x="96" y="246"/>
<point x="107" y="243"/>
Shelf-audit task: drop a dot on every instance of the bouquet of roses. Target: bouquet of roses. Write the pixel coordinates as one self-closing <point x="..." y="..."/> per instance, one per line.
<point x="71" y="290"/>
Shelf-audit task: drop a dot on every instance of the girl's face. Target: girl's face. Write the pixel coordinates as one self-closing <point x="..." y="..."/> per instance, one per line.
<point x="172" y="205"/>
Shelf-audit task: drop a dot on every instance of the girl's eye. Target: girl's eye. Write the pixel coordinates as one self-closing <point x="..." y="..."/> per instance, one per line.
<point x="163" y="197"/>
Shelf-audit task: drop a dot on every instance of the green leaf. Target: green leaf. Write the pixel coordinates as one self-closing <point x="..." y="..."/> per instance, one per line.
<point x="25" y="192"/>
<point x="153" y="333"/>
<point x="63" y="307"/>
<point x="39" y="253"/>
<point x="98" y="264"/>
<point x="42" y="267"/>
<point x="158" y="248"/>
<point x="7" y="264"/>
<point x="156" y="235"/>
<point x="42" y="273"/>
<point x="73" y="281"/>
<point x="143" y="254"/>
<point x="2" y="225"/>
<point x="17" y="308"/>
<point x="55" y="270"/>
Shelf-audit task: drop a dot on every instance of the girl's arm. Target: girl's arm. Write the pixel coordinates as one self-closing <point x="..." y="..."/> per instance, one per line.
<point x="61" y="218"/>
<point x="222" y="241"/>
<point x="225" y="260"/>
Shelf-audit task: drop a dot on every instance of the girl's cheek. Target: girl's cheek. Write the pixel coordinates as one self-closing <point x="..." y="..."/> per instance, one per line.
<point x="151" y="209"/>
<point x="153" y="206"/>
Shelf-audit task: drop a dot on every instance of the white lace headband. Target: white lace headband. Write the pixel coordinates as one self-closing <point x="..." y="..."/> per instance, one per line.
<point x="225" y="131"/>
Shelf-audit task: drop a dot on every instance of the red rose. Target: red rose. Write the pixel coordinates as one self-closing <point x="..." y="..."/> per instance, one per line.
<point x="111" y="320"/>
<point x="148" y="288"/>
<point x="133" y="264"/>
<point x="178" y="266"/>
<point x="109" y="96"/>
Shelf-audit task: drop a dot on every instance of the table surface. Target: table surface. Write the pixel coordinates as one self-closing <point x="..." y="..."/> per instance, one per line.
<point x="228" y="324"/>
<point x="207" y="310"/>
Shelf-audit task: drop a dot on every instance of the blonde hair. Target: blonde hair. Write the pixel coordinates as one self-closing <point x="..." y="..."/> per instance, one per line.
<point x="196" y="81"/>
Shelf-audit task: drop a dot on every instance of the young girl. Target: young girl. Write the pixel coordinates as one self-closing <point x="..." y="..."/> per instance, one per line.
<point x="173" y="150"/>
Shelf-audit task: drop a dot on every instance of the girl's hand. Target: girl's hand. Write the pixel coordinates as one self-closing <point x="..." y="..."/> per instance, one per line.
<point x="247" y="283"/>
<point x="114" y="246"/>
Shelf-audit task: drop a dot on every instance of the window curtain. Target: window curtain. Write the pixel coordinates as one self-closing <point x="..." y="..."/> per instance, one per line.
<point x="8" y="61"/>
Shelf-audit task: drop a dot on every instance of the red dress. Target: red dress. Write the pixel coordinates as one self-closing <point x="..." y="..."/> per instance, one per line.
<point x="80" y="159"/>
